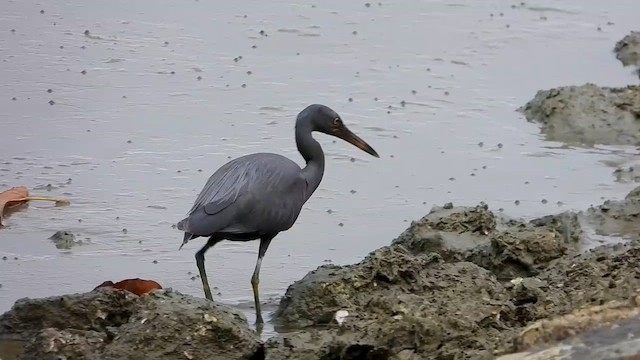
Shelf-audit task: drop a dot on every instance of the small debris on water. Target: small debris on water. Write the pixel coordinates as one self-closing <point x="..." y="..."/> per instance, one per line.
<point x="51" y="102"/>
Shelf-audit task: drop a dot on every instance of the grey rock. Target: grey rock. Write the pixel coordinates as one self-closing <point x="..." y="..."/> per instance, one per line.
<point x="115" y="324"/>
<point x="628" y="49"/>
<point x="587" y="114"/>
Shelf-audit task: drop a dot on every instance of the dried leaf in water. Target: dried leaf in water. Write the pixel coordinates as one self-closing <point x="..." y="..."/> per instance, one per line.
<point x="19" y="195"/>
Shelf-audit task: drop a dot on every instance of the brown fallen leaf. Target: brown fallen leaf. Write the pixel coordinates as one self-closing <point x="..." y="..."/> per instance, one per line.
<point x="19" y="195"/>
<point x="137" y="286"/>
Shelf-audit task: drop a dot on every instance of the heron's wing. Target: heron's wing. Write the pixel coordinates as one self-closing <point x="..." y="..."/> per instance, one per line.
<point x="223" y="188"/>
<point x="257" y="192"/>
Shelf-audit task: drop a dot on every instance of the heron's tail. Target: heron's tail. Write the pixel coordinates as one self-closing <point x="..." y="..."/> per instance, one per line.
<point x="182" y="226"/>
<point x="187" y="237"/>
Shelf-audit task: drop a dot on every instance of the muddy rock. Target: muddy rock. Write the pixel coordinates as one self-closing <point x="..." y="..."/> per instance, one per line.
<point x="109" y="324"/>
<point x="578" y="321"/>
<point x="587" y="114"/>
<point x="628" y="49"/>
<point x="395" y="302"/>
<point x="459" y="283"/>
<point x="598" y="332"/>
<point x="617" y="217"/>
<point x="449" y="231"/>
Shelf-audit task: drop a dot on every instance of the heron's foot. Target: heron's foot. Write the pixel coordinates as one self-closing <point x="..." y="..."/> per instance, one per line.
<point x="259" y="328"/>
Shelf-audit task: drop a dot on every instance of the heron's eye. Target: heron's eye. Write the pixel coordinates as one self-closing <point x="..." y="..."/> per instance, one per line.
<point x="337" y="122"/>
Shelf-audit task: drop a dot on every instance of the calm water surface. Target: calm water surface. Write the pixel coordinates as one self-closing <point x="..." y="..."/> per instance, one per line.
<point x="125" y="109"/>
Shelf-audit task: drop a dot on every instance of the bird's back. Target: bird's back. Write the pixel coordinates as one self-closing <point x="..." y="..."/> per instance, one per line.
<point x="256" y="193"/>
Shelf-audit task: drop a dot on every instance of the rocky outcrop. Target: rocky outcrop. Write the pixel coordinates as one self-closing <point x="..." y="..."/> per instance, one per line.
<point x="116" y="324"/>
<point x="459" y="283"/>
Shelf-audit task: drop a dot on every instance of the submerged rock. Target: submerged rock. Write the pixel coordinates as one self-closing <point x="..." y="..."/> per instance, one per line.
<point x="628" y="49"/>
<point x="64" y="240"/>
<point x="587" y="114"/>
<point x="115" y="324"/>
<point x="617" y="217"/>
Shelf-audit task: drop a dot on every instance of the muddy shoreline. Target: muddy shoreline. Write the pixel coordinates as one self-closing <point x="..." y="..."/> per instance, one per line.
<point x="462" y="282"/>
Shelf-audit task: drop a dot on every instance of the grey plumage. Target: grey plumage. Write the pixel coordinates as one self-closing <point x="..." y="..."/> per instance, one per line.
<point x="267" y="192"/>
<point x="259" y="195"/>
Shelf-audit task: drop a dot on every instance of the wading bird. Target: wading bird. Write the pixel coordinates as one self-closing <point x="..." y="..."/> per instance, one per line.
<point x="257" y="196"/>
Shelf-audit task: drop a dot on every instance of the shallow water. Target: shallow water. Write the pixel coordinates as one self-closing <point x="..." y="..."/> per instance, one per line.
<point x="144" y="106"/>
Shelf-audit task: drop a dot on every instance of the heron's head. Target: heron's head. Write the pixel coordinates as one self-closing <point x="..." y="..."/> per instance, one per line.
<point x="325" y="120"/>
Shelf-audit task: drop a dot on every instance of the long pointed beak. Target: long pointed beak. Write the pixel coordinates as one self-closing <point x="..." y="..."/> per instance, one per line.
<point x="355" y="140"/>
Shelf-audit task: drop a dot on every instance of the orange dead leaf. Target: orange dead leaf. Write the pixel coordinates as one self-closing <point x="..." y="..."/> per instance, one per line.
<point x="137" y="286"/>
<point x="19" y="195"/>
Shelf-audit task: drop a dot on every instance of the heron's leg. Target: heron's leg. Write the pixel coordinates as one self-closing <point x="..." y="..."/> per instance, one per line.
<point x="255" y="279"/>
<point x="200" y="262"/>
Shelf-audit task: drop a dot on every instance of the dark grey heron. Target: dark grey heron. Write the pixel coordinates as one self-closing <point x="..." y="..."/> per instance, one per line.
<point x="257" y="196"/>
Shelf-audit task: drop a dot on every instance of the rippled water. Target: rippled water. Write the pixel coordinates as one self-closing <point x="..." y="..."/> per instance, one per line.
<point x="125" y="108"/>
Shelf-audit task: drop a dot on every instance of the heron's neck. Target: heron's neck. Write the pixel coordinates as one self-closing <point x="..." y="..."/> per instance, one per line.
<point x="312" y="153"/>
